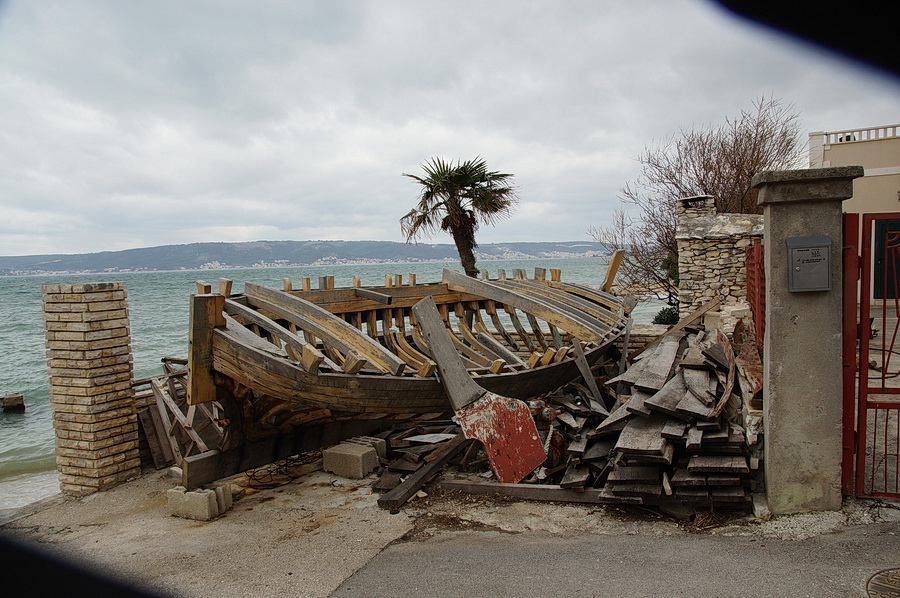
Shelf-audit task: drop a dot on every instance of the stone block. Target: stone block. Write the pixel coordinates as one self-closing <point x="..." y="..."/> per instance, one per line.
<point x="199" y="505"/>
<point x="350" y="460"/>
<point x="12" y="402"/>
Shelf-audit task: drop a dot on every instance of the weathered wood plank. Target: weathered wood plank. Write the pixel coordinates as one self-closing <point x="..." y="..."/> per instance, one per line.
<point x="547" y="309"/>
<point x="325" y="325"/>
<point x="307" y="355"/>
<point x="612" y="268"/>
<point x="643" y="436"/>
<point x="658" y="368"/>
<point x="539" y="492"/>
<point x="718" y="464"/>
<point x="667" y="399"/>
<point x="402" y="492"/>
<point x="688" y="320"/>
<point x="205" y="316"/>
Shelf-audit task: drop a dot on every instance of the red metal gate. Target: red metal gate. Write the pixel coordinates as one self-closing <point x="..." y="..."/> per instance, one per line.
<point x="871" y="458"/>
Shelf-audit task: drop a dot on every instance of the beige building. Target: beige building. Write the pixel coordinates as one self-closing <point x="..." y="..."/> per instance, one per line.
<point x="877" y="150"/>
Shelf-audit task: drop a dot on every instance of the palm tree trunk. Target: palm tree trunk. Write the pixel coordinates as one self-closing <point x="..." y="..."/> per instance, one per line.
<point x="465" y="246"/>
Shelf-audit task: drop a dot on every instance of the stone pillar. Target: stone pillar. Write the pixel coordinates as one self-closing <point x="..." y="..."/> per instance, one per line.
<point x="89" y="362"/>
<point x="802" y="355"/>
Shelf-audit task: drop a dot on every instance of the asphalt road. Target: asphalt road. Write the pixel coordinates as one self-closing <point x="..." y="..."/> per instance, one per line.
<point x="454" y="564"/>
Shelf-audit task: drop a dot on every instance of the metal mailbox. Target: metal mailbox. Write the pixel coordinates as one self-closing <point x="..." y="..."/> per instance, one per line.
<point x="809" y="265"/>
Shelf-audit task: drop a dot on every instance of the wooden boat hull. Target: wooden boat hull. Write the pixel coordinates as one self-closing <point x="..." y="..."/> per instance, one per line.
<point x="358" y="351"/>
<point x="373" y="394"/>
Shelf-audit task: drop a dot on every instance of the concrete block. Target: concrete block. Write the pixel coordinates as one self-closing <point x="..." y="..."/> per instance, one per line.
<point x="224" y="497"/>
<point x="350" y="460"/>
<point x="199" y="505"/>
<point x="379" y="444"/>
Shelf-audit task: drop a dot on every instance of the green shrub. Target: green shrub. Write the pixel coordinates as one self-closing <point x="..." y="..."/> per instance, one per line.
<point x="667" y="316"/>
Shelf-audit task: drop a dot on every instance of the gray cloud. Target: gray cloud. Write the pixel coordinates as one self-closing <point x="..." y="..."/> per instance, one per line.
<point x="132" y="124"/>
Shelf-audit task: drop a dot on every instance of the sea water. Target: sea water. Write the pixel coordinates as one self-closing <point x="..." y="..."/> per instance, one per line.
<point x="158" y="305"/>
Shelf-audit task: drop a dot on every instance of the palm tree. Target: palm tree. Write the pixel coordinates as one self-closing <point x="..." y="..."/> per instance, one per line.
<point x="456" y="198"/>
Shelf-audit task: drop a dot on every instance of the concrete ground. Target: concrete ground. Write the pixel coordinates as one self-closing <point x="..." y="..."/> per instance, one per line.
<point x="320" y="536"/>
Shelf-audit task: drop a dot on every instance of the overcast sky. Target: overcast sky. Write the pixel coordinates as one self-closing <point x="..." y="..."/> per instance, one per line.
<point x="132" y="123"/>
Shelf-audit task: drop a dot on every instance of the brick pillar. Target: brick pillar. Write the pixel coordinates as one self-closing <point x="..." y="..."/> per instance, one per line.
<point x="89" y="362"/>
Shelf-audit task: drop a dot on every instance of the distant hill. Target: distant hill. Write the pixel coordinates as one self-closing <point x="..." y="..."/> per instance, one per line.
<point x="264" y="254"/>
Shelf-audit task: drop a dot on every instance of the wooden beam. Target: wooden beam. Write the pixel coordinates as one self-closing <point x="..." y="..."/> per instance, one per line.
<point x="324" y="325"/>
<point x="205" y="316"/>
<point x="611" y="269"/>
<point x="547" y="309"/>
<point x="527" y="491"/>
<point x="690" y="319"/>
<point x="374" y="295"/>
<point x="307" y="355"/>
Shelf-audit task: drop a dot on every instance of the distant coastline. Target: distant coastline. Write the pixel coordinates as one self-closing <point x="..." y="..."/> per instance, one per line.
<point x="281" y="254"/>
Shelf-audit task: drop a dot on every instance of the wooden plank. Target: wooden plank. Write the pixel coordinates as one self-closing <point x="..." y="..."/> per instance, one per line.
<point x="520" y="330"/>
<point x="689" y="320"/>
<point x="165" y="401"/>
<point x="694" y="439"/>
<point x="585" y="370"/>
<point x="205" y="316"/>
<point x="576" y="476"/>
<point x="499" y="349"/>
<point x="611" y="424"/>
<point x="690" y="406"/>
<point x="394" y="499"/>
<point x="635" y="404"/>
<point x="547" y="309"/>
<point x="659" y="365"/>
<point x="635" y="489"/>
<point x="718" y="464"/>
<point x="598" y="449"/>
<point x="665" y="458"/>
<point x="666" y="400"/>
<point x="575" y="304"/>
<point x="647" y="474"/>
<point x="461" y="389"/>
<point x="490" y="309"/>
<point x="611" y="269"/>
<point x="643" y="436"/>
<point x="682" y="477"/>
<point x="630" y="375"/>
<point x="308" y="356"/>
<point x="325" y="325"/>
<point x="382" y="298"/>
<point x="538" y="492"/>
<point x="697" y="382"/>
<point x="674" y="429"/>
<point x="160" y="450"/>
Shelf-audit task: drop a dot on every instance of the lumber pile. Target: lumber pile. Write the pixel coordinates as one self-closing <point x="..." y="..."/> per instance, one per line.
<point x="675" y="434"/>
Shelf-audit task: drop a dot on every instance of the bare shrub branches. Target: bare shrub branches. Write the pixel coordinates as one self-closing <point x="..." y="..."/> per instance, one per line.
<point x="719" y="161"/>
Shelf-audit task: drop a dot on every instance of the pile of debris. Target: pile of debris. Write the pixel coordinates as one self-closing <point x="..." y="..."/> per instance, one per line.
<point x="678" y="429"/>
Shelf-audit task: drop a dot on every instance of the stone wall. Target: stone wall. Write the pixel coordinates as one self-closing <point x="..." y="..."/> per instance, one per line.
<point x="711" y="255"/>
<point x="90" y="367"/>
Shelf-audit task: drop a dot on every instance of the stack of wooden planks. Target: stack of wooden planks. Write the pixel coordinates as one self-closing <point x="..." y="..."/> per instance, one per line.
<point x="675" y="432"/>
<point x="678" y="433"/>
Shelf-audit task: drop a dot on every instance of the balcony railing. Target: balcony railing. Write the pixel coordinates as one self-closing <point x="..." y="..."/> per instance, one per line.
<point x="856" y="135"/>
